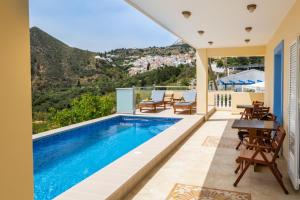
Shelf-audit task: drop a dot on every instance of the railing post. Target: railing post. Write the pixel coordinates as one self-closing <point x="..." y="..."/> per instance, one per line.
<point x="222" y="101"/>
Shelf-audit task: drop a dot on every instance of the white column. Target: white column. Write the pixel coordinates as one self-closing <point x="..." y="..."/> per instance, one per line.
<point x="202" y="81"/>
<point x="16" y="169"/>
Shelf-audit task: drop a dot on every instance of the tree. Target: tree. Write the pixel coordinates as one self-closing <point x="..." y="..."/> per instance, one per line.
<point x="84" y="108"/>
<point x="78" y="83"/>
<point x="212" y="74"/>
<point x="185" y="82"/>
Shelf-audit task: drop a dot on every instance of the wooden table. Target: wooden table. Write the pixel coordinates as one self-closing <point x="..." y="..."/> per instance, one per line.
<point x="247" y="114"/>
<point x="253" y="126"/>
<point x="245" y="106"/>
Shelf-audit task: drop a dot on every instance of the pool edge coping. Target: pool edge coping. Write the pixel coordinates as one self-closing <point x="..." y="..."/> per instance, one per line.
<point x="118" y="178"/>
<point x="85" y="123"/>
<point x="73" y="126"/>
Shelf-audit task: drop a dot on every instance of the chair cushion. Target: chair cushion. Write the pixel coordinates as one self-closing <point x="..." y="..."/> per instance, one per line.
<point x="189" y="96"/>
<point x="183" y="104"/>
<point x="157" y="95"/>
<point x="150" y="102"/>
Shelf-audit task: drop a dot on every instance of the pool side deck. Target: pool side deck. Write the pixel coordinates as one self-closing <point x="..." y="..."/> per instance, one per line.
<point x="207" y="159"/>
<point x="120" y="177"/>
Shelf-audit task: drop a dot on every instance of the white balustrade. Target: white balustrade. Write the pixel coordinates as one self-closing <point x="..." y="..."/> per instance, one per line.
<point x="222" y="100"/>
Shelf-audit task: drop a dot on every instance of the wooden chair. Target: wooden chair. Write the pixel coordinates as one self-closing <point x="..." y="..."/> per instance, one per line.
<point x="244" y="134"/>
<point x="267" y="133"/>
<point x="262" y="111"/>
<point x="263" y="155"/>
<point x="260" y="103"/>
<point x="246" y="114"/>
<point x="168" y="99"/>
<point x="256" y="111"/>
<point x="157" y="100"/>
<point x="252" y="113"/>
<point x="177" y="96"/>
<point x="189" y="101"/>
<point x="269" y="117"/>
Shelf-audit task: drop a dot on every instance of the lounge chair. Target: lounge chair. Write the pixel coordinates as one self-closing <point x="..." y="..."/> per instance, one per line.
<point x="189" y="101"/>
<point x="168" y="97"/>
<point x="177" y="97"/>
<point x="157" y="100"/>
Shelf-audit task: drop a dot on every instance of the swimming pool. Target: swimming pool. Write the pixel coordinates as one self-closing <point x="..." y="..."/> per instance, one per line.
<point x="64" y="159"/>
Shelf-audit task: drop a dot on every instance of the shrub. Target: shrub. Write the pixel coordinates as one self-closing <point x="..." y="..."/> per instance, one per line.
<point x="84" y="108"/>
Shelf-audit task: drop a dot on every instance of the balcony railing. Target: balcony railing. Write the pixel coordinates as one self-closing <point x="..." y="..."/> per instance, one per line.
<point x="129" y="98"/>
<point x="220" y="99"/>
<point x="142" y="93"/>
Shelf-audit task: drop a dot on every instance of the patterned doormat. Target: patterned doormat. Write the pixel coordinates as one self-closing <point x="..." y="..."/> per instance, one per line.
<point x="190" y="192"/>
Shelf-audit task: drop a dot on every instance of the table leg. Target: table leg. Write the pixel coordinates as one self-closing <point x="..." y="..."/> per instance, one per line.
<point x="252" y="134"/>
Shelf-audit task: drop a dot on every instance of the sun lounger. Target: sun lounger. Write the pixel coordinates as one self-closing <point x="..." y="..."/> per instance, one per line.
<point x="157" y="100"/>
<point x="189" y="101"/>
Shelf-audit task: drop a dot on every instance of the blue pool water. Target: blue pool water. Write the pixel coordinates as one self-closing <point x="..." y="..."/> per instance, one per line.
<point x="63" y="160"/>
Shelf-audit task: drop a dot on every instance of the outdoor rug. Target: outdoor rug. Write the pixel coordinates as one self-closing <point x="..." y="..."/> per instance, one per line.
<point x="190" y="192"/>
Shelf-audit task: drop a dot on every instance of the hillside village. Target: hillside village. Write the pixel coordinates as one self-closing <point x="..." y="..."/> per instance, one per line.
<point x="138" y="61"/>
<point x="137" y="65"/>
<point x="147" y="63"/>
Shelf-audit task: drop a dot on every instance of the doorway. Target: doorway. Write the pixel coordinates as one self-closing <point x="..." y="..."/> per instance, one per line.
<point x="278" y="81"/>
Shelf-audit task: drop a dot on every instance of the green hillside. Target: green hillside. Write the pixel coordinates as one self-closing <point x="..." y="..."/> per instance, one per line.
<point x="70" y="85"/>
<point x="62" y="74"/>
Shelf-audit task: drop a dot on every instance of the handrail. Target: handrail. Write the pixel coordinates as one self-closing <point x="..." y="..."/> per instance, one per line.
<point x="143" y="88"/>
<point x="222" y="100"/>
<point x="174" y="86"/>
<point x="166" y="87"/>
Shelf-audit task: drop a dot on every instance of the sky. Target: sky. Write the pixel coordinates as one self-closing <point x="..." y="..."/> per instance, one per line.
<point x="97" y="25"/>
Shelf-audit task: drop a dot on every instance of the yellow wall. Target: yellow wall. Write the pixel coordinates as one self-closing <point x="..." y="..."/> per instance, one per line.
<point x="16" y="179"/>
<point x="236" y="51"/>
<point x="245" y="98"/>
<point x="288" y="31"/>
<point x="203" y="97"/>
<point x="237" y="98"/>
<point x="202" y="56"/>
<point x="202" y="81"/>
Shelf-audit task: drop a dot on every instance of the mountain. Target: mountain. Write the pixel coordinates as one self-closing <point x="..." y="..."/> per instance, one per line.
<point x="61" y="73"/>
<point x="55" y="64"/>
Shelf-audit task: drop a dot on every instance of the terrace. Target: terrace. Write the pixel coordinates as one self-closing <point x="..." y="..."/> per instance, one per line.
<point x="202" y="150"/>
<point x="207" y="159"/>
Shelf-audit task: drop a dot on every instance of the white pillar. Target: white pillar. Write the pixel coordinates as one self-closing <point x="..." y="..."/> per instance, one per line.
<point x="16" y="168"/>
<point x="202" y="81"/>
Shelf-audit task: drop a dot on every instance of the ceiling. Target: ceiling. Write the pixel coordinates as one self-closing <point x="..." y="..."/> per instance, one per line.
<point x="223" y="21"/>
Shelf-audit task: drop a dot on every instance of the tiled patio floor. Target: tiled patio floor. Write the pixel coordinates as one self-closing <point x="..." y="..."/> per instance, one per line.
<point x="207" y="159"/>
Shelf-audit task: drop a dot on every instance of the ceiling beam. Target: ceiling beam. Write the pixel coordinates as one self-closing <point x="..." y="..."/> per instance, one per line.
<point x="236" y="51"/>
